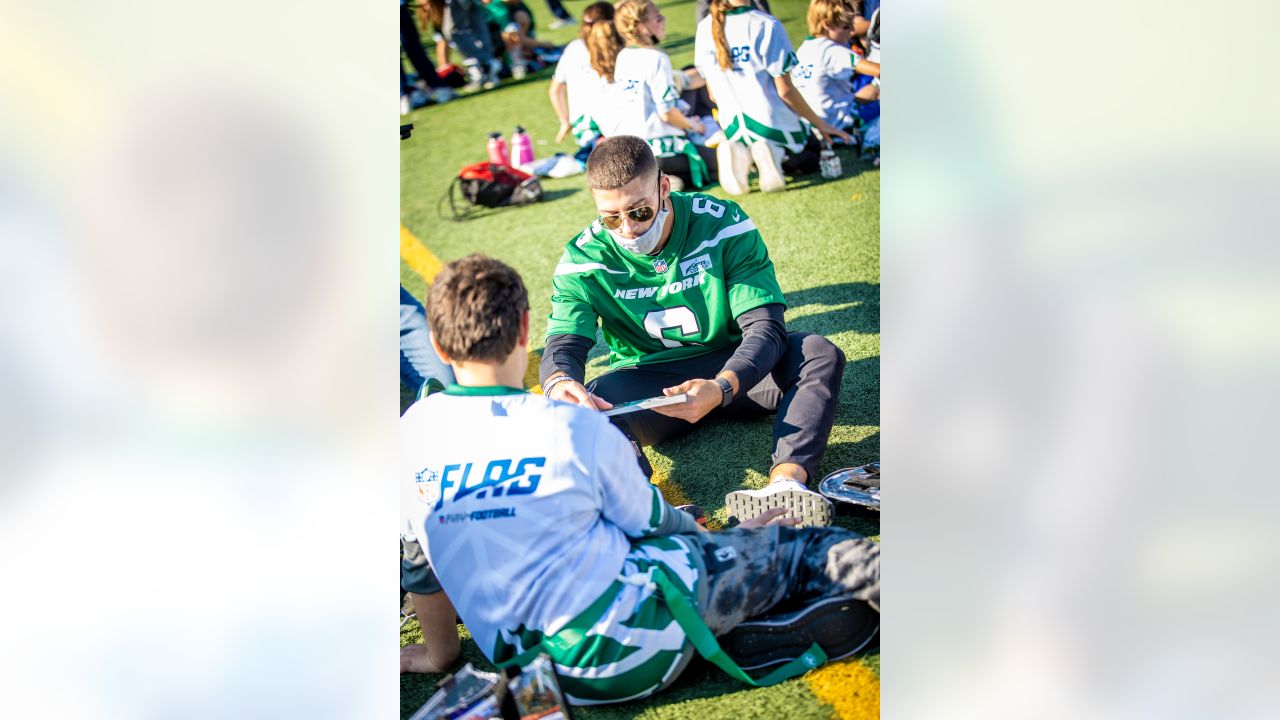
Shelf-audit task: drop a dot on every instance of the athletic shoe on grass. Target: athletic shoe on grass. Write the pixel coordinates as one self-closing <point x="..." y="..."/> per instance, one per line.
<point x="811" y="508"/>
<point x="768" y="159"/>
<point x="699" y="515"/>
<point x="841" y="626"/>
<point x="734" y="161"/>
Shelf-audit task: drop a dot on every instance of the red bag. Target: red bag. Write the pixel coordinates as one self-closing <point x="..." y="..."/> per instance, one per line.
<point x="452" y="76"/>
<point x="488" y="185"/>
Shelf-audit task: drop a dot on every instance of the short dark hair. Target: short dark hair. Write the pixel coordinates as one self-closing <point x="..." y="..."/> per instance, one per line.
<point x="475" y="306"/>
<point x="617" y="161"/>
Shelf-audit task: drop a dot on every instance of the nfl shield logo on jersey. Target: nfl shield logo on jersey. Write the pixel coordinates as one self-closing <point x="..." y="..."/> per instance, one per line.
<point x="660" y="266"/>
<point x="428" y="482"/>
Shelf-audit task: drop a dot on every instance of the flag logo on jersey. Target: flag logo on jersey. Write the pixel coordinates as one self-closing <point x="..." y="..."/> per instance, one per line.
<point x="660" y="266"/>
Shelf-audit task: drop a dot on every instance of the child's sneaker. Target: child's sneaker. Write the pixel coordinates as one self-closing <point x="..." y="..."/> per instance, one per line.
<point x="475" y="78"/>
<point x="768" y="159"/>
<point x="840" y="626"/>
<point x="734" y="162"/>
<point x="699" y="515"/>
<point x="810" y="507"/>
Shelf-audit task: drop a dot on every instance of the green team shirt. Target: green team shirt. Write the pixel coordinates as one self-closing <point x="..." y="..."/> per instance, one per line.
<point x="680" y="303"/>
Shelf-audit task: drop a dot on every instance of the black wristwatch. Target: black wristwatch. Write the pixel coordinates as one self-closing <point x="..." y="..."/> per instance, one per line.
<point x="727" y="388"/>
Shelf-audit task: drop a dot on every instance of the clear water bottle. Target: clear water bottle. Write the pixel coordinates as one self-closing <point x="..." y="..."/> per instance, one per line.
<point x="828" y="163"/>
<point x="498" y="149"/>
<point x="521" y="147"/>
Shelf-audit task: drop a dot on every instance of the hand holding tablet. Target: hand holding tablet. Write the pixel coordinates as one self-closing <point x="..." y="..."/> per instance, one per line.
<point x="646" y="404"/>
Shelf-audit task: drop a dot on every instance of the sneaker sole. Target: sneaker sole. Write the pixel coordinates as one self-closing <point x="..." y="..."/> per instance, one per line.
<point x="840" y="626"/>
<point x="771" y="178"/>
<point x="813" y="509"/>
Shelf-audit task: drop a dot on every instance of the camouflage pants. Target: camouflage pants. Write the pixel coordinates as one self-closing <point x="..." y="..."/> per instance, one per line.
<point x="758" y="572"/>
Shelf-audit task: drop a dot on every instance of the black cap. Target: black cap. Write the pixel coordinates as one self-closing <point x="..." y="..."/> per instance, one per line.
<point x="519" y="128"/>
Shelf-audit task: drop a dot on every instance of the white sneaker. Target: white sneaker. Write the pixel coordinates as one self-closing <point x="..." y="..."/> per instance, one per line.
<point x="557" y="23"/>
<point x="734" y="162"/>
<point x="518" y="72"/>
<point x="768" y="158"/>
<point x="475" y="78"/>
<point x="404" y="105"/>
<point x="811" y="508"/>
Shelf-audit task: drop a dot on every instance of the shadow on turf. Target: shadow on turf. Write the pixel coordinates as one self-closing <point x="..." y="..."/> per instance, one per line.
<point x="857" y="309"/>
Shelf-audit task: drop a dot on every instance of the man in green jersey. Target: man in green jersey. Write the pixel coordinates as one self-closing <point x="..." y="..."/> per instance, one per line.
<point x="683" y="289"/>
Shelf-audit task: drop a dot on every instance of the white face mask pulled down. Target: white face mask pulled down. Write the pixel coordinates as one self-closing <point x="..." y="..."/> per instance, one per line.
<point x="645" y="244"/>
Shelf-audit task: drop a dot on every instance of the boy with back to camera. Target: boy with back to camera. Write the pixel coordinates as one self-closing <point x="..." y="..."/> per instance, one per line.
<point x="549" y="539"/>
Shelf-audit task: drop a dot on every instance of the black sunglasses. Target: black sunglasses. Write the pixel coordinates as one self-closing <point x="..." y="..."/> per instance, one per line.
<point x="644" y="213"/>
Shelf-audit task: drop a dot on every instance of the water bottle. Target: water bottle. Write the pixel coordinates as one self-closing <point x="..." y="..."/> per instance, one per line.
<point x="498" y="149"/>
<point x="829" y="163"/>
<point x="522" y="147"/>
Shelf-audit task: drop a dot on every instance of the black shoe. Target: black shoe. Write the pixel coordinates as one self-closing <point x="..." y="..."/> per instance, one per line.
<point x="699" y="515"/>
<point x="841" y="626"/>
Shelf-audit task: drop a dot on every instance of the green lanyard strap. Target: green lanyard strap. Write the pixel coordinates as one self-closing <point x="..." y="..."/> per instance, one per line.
<point x="686" y="615"/>
<point x="708" y="647"/>
<point x="698" y="171"/>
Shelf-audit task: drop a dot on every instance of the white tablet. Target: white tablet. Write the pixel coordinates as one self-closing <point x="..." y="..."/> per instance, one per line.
<point x="646" y="404"/>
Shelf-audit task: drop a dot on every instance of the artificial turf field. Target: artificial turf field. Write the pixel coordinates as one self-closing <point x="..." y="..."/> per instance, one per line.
<point x="823" y="237"/>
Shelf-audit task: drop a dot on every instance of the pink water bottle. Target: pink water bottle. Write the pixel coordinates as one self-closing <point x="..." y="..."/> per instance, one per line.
<point x="522" y="146"/>
<point x="498" y="149"/>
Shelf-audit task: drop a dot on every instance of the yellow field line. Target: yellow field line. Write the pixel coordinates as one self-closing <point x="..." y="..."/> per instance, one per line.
<point x="531" y="372"/>
<point x="848" y="686"/>
<point x="417" y="256"/>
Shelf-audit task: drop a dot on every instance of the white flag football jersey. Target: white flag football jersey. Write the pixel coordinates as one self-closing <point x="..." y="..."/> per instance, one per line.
<point x="530" y="511"/>
<point x="749" y="106"/>
<point x="824" y="77"/>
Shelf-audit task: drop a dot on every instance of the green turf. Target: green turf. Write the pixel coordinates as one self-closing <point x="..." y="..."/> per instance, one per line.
<point x="823" y="237"/>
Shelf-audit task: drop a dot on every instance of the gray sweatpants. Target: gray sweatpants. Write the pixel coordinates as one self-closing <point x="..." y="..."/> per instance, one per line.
<point x="759" y="572"/>
<point x="801" y="390"/>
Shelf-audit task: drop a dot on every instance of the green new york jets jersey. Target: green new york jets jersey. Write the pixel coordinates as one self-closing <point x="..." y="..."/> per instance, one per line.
<point x="677" y="304"/>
